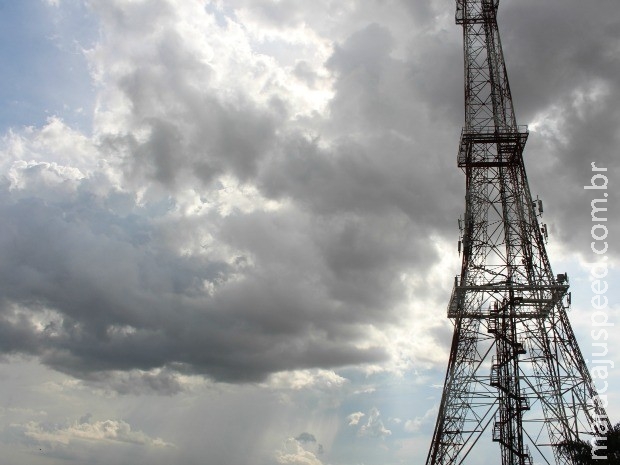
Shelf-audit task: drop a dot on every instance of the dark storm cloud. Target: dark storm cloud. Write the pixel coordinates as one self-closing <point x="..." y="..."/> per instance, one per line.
<point x="305" y="283"/>
<point x="190" y="133"/>
<point x="121" y="302"/>
<point x="306" y="437"/>
<point x="545" y="63"/>
<point x="564" y="66"/>
<point x="98" y="281"/>
<point x="383" y="157"/>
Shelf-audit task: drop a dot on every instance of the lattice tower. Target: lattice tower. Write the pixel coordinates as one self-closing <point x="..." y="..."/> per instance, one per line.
<point x="515" y="375"/>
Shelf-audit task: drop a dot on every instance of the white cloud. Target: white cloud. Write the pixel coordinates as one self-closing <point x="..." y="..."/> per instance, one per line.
<point x="54" y="142"/>
<point x="307" y="379"/>
<point x="373" y="427"/>
<point x="415" y="425"/>
<point x="295" y="453"/>
<point x="355" y="418"/>
<point x="107" y="431"/>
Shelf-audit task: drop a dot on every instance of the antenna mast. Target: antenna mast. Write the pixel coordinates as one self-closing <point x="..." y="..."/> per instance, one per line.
<point x="515" y="375"/>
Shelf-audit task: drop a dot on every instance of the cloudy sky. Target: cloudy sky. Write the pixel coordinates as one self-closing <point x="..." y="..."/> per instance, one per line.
<point x="229" y="227"/>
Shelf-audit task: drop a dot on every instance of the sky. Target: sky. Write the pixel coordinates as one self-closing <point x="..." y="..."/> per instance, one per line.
<point x="230" y="227"/>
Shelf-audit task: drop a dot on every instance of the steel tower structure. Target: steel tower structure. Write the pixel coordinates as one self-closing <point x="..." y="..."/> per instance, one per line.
<point x="515" y="375"/>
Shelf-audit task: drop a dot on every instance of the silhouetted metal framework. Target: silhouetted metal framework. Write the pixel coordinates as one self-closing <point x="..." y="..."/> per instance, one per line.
<point x="516" y="375"/>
